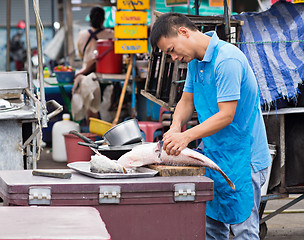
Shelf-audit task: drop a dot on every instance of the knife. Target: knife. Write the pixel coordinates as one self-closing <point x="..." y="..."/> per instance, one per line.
<point x="160" y="147"/>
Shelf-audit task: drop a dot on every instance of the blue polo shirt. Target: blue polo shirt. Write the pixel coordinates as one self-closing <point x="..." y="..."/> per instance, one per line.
<point x="234" y="80"/>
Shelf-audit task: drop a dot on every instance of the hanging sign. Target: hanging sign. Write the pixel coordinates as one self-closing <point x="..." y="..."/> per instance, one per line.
<point x="174" y="3"/>
<point x="131" y="31"/>
<point x="132" y="4"/>
<point x="218" y="3"/>
<point x="131" y="46"/>
<point x="131" y="17"/>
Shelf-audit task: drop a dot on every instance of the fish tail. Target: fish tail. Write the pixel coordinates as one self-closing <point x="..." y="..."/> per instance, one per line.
<point x="217" y="168"/>
<point x="227" y="179"/>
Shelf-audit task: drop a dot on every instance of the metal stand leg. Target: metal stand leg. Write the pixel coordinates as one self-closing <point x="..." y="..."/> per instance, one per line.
<point x="281" y="209"/>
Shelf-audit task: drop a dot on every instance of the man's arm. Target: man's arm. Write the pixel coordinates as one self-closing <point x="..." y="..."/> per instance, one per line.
<point x="174" y="143"/>
<point x="216" y="122"/>
<point x="89" y="68"/>
<point x="183" y="112"/>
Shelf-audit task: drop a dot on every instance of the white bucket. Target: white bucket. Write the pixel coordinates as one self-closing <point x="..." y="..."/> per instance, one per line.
<point x="58" y="144"/>
<point x="272" y="150"/>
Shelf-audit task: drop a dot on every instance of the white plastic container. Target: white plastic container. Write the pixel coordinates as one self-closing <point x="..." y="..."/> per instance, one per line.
<point x="58" y="144"/>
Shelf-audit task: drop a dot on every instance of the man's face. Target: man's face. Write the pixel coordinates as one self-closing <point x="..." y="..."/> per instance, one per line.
<point x="178" y="47"/>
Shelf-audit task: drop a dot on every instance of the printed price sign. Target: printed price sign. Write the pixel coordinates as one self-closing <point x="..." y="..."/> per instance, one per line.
<point x="131" y="46"/>
<point x="131" y="31"/>
<point x="131" y="17"/>
<point x="132" y="4"/>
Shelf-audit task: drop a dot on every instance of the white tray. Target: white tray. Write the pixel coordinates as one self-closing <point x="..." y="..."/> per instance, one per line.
<point x="84" y="168"/>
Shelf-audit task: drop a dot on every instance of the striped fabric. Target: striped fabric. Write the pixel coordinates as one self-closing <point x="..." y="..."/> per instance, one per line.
<point x="273" y="42"/>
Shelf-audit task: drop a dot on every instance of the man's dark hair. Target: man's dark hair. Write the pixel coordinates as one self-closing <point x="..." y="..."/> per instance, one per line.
<point x="167" y="25"/>
<point x="97" y="17"/>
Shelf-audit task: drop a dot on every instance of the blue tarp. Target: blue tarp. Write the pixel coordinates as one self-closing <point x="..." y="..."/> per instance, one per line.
<point x="273" y="42"/>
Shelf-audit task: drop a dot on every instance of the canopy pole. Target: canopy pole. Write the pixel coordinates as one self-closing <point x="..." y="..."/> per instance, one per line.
<point x="196" y="6"/>
<point x="8" y="33"/>
<point x="227" y="20"/>
<point x="28" y="45"/>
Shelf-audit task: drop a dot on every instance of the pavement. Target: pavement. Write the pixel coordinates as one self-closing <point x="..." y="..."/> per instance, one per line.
<point x="287" y="225"/>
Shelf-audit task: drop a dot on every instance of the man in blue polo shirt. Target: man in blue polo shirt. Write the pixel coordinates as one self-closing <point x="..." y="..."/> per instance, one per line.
<point x="223" y="90"/>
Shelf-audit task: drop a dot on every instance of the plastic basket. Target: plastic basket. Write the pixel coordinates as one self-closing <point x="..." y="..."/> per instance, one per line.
<point x="98" y="126"/>
<point x="65" y="77"/>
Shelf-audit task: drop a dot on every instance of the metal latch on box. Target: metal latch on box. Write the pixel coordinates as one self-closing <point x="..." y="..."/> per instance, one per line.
<point x="40" y="196"/>
<point x="109" y="194"/>
<point x="184" y="192"/>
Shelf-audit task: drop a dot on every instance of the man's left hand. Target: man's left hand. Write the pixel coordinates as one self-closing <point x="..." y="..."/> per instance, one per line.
<point x="175" y="142"/>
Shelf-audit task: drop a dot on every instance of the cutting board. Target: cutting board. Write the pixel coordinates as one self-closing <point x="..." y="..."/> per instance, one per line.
<point x="166" y="171"/>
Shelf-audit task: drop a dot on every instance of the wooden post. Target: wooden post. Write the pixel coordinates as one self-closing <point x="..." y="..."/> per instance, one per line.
<point x="8" y="33"/>
<point x="70" y="41"/>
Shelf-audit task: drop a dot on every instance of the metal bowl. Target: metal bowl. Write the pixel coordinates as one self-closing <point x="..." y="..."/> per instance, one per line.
<point x="127" y="132"/>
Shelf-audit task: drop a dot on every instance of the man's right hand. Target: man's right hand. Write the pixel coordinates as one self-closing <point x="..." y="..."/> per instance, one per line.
<point x="175" y="142"/>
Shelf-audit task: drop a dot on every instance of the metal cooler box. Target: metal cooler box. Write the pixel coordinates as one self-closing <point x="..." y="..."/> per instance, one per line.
<point x="132" y="208"/>
<point x="47" y="223"/>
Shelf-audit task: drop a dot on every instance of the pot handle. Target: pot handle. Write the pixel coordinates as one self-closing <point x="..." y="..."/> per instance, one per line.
<point x="87" y="140"/>
<point x="99" y="142"/>
<point x="93" y="147"/>
<point x="88" y="144"/>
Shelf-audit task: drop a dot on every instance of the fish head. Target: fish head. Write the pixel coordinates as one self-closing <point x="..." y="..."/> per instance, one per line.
<point x="141" y="155"/>
<point x="128" y="160"/>
<point x="158" y="150"/>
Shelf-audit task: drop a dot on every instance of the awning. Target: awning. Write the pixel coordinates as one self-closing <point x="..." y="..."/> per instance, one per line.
<point x="273" y="42"/>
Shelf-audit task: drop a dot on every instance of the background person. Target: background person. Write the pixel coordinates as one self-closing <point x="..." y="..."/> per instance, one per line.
<point x="87" y="39"/>
<point x="222" y="88"/>
<point x="86" y="92"/>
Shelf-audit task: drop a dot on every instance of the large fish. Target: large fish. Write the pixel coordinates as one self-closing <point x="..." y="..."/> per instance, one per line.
<point x="151" y="153"/>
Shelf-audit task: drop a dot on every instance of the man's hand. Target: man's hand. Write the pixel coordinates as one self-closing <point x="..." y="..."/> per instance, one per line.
<point x="175" y="142"/>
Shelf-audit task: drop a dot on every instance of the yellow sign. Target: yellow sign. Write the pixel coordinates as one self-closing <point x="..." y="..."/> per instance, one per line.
<point x="131" y="46"/>
<point x="298" y="1"/>
<point x="131" y="31"/>
<point x="134" y="17"/>
<point x="132" y="4"/>
<point x="218" y="3"/>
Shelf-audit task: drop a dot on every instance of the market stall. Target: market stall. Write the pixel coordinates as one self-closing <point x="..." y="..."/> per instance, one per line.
<point x="132" y="208"/>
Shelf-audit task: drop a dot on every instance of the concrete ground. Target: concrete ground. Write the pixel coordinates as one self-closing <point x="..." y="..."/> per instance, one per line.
<point x="287" y="225"/>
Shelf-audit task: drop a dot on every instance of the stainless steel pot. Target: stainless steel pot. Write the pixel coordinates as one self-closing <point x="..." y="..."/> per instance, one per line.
<point x="127" y="132"/>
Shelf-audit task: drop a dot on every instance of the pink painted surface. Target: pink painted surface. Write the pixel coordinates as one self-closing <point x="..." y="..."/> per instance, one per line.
<point x="47" y="223"/>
